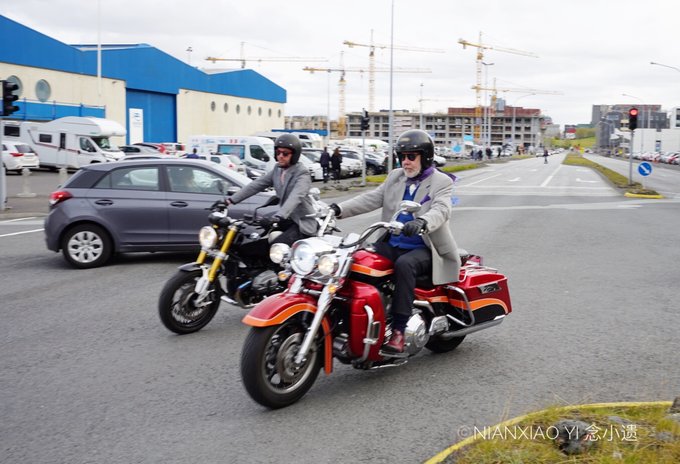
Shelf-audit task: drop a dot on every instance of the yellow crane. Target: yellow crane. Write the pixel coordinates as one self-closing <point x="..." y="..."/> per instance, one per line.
<point x="480" y="57"/>
<point x="243" y="58"/>
<point x="371" y="62"/>
<point x="342" y="83"/>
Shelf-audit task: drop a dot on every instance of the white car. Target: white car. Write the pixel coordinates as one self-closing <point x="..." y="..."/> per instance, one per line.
<point x="315" y="169"/>
<point x="17" y="155"/>
<point x="439" y="160"/>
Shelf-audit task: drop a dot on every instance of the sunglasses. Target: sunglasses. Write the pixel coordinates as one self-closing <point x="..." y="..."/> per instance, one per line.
<point x="284" y="153"/>
<point x="410" y="156"/>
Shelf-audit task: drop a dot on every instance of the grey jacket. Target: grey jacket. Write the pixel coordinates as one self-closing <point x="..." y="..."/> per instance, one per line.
<point x="434" y="194"/>
<point x="292" y="190"/>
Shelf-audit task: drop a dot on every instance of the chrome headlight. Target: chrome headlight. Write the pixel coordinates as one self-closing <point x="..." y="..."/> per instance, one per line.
<point x="303" y="259"/>
<point x="305" y="253"/>
<point x="279" y="252"/>
<point x="328" y="264"/>
<point x="207" y="237"/>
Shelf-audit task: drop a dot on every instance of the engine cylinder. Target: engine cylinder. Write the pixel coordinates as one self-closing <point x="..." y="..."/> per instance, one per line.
<point x="416" y="334"/>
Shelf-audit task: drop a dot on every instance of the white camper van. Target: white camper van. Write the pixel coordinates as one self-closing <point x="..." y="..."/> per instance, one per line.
<point x="72" y="141"/>
<point x="259" y="151"/>
<point x="307" y="139"/>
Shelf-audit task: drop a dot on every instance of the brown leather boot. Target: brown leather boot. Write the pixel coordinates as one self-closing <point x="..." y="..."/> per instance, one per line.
<point x="396" y="343"/>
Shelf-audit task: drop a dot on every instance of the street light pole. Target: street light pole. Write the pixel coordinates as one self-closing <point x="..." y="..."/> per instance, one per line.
<point x="485" y="125"/>
<point x="391" y="117"/>
<point x="421" y="106"/>
<point x="665" y="66"/>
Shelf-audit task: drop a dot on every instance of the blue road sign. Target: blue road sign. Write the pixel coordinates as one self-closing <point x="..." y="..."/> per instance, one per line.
<point x="645" y="169"/>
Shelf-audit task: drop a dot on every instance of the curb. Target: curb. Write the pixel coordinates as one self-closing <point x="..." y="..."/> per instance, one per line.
<point x="639" y="195"/>
<point x="439" y="457"/>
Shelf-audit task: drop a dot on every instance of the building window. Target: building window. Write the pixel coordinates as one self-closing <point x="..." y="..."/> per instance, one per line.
<point x="259" y="111"/>
<point x="226" y="107"/>
<point x="270" y="112"/>
<point x="212" y="106"/>
<point x="238" y="109"/>
<point x="250" y="110"/>
<point x="279" y="113"/>
<point x="43" y="90"/>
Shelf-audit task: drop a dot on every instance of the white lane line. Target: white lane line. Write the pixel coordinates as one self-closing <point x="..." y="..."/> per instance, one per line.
<point x="481" y="180"/>
<point x="550" y="177"/>
<point x="20" y="233"/>
<point x="514" y="180"/>
<point x="18" y="219"/>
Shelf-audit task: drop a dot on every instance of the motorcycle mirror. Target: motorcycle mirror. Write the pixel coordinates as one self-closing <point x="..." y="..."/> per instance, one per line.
<point x="315" y="193"/>
<point x="231" y="190"/>
<point x="409" y="206"/>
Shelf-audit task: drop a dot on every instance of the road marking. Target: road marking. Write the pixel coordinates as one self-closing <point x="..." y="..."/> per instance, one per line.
<point x="514" y="180"/>
<point x="587" y="181"/>
<point x="550" y="177"/>
<point x="18" y="219"/>
<point x="482" y="180"/>
<point x="20" y="233"/>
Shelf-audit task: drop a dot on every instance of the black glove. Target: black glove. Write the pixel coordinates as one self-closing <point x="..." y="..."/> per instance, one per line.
<point x="413" y="227"/>
<point x="335" y="208"/>
<point x="268" y="222"/>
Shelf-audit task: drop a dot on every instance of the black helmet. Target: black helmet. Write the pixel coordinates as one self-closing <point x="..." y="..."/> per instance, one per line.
<point x="292" y="142"/>
<point x="418" y="141"/>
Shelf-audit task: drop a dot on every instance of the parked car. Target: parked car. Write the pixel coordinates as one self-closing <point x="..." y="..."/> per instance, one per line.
<point x="142" y="205"/>
<point x="175" y="149"/>
<point x="155" y="146"/>
<point x="439" y="161"/>
<point x="17" y="155"/>
<point x="373" y="167"/>
<point x="135" y="149"/>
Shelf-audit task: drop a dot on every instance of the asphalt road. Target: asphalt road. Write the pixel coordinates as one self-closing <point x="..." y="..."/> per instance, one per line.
<point x="88" y="373"/>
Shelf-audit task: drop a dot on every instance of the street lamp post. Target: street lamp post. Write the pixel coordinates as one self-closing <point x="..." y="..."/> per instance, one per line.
<point x="665" y="66"/>
<point x="485" y="126"/>
<point x="391" y="113"/>
<point x="421" y="106"/>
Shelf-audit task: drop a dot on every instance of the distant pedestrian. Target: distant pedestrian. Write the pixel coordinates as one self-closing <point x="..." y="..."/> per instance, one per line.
<point x="545" y="156"/>
<point x="488" y="152"/>
<point x="336" y="164"/>
<point x="499" y="152"/>
<point x="325" y="162"/>
<point x="193" y="154"/>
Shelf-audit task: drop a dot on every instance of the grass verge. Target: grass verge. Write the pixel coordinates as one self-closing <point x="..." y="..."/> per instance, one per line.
<point x="620" y="181"/>
<point x="614" y="433"/>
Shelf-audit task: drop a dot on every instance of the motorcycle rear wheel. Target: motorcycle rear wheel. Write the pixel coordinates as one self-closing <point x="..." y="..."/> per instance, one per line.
<point x="439" y="345"/>
<point x="178" y="308"/>
<point x="267" y="369"/>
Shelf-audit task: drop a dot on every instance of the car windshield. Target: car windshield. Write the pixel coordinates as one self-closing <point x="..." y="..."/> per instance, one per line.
<point x="103" y="143"/>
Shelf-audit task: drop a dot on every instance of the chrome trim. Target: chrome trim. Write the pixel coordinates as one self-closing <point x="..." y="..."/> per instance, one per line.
<point x="484" y="325"/>
<point x="368" y="342"/>
<point x="461" y="292"/>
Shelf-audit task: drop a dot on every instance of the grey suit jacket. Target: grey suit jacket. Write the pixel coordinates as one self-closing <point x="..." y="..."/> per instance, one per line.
<point x="434" y="194"/>
<point x="292" y="186"/>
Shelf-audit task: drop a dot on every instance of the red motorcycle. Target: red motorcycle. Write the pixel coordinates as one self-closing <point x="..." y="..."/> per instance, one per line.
<point x="337" y="306"/>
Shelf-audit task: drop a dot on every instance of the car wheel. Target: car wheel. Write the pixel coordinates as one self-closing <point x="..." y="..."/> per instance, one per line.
<point x="370" y="171"/>
<point x="86" y="246"/>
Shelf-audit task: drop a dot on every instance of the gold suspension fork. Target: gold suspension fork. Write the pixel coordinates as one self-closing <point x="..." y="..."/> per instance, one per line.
<point x="226" y="244"/>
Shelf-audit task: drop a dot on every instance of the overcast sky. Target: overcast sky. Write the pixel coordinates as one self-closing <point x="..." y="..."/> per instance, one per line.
<point x="592" y="51"/>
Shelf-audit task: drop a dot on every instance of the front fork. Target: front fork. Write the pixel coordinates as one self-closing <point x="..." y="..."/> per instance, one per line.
<point x="210" y="274"/>
<point x="323" y="303"/>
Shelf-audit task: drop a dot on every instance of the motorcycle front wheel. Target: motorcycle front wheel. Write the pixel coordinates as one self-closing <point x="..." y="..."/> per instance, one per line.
<point x="181" y="309"/>
<point x="268" y="370"/>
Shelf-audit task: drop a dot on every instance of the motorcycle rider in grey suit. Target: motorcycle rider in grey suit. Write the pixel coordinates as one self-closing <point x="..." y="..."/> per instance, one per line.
<point x="414" y="255"/>
<point x="292" y="182"/>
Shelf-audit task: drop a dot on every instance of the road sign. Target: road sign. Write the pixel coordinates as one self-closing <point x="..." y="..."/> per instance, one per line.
<point x="645" y="169"/>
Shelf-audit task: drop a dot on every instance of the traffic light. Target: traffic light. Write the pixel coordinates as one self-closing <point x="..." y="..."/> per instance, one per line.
<point x="365" y="120"/>
<point x="632" y="118"/>
<point x="9" y="97"/>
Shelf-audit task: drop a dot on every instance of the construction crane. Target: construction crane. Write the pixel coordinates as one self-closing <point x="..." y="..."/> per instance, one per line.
<point x="342" y="83"/>
<point x="480" y="57"/>
<point x="371" y="62"/>
<point x="243" y="59"/>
